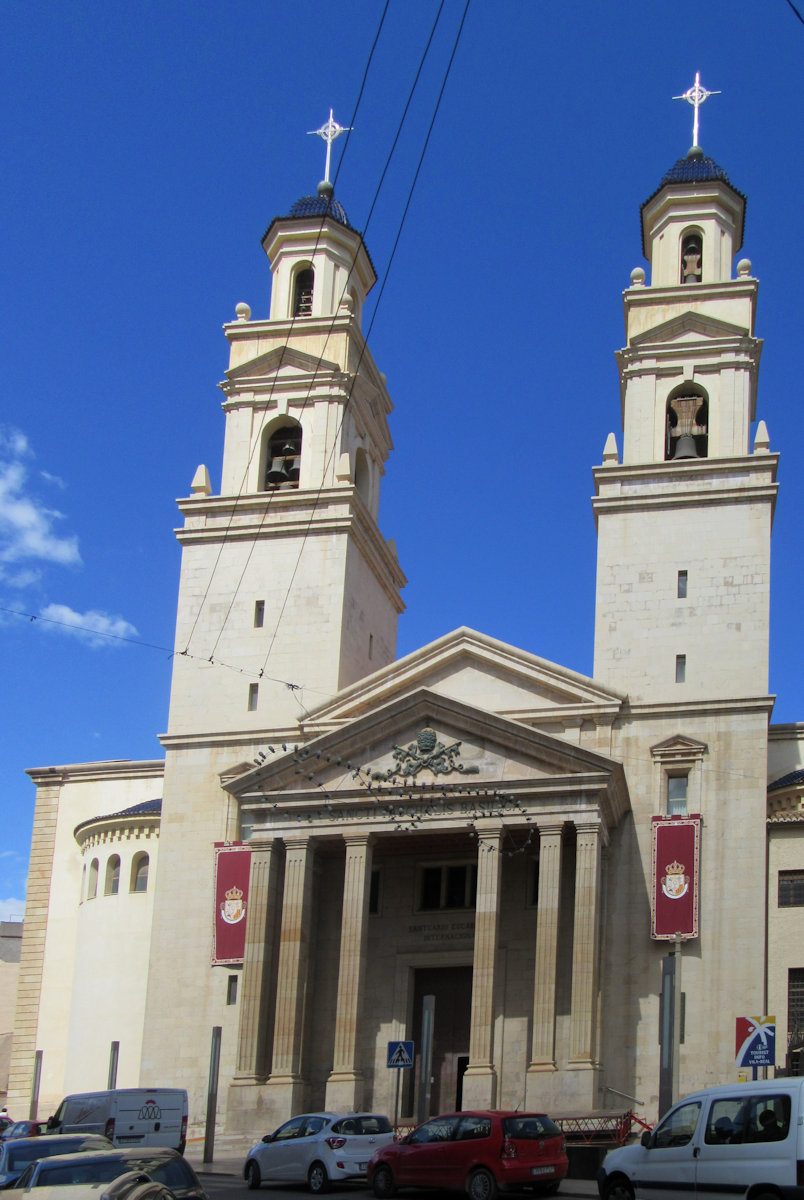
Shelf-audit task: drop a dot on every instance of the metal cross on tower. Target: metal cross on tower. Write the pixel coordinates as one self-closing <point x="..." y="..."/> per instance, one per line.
<point x="696" y="96"/>
<point x="329" y="132"/>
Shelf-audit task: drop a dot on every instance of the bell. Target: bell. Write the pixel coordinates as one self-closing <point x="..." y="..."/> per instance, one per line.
<point x="277" y="472"/>
<point x="685" y="447"/>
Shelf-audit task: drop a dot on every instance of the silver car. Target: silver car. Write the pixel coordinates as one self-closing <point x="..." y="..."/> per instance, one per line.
<point x="318" y="1148"/>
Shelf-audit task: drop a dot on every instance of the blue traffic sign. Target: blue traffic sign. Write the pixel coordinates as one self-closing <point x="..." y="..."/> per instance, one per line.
<point x="400" y="1054"/>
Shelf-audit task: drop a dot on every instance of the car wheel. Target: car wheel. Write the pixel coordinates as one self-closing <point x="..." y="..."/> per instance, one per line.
<point x="253" y="1178"/>
<point x="481" y="1185"/>
<point x="317" y="1179"/>
<point x="618" y="1188"/>
<point x="383" y="1183"/>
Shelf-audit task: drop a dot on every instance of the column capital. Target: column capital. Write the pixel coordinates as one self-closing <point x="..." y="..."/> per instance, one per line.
<point x="360" y="838"/>
<point x="550" y="828"/>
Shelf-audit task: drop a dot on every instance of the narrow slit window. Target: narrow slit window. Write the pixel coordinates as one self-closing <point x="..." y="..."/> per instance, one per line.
<point x="231" y="990"/>
<point x="253" y="695"/>
<point x="681" y="668"/>
<point x="682" y="585"/>
<point x="259" y="614"/>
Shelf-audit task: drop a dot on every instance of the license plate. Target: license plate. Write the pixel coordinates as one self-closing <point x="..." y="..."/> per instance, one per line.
<point x="542" y="1170"/>
<point x="362" y="1166"/>
<point x="127" y="1141"/>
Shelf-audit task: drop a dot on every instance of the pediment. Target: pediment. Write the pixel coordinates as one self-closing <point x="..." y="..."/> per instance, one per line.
<point x="678" y="750"/>
<point x="687" y="327"/>
<point x="283" y="363"/>
<point x="429" y="749"/>
<point x="471" y="668"/>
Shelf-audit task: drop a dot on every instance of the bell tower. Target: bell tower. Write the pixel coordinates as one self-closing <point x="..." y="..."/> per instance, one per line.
<point x="285" y="576"/>
<point x="684" y="517"/>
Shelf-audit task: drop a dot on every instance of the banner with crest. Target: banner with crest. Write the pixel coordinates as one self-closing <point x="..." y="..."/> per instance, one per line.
<point x="675" y="858"/>
<point x="232" y="872"/>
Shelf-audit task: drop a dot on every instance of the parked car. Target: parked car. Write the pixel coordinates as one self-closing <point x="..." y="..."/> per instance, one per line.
<point x="318" y="1148"/>
<point x="736" y="1139"/>
<point x="158" y="1163"/>
<point x="476" y="1152"/>
<point x="22" y="1129"/>
<point x="4" y="1123"/>
<point x="16" y="1155"/>
<point x="134" y="1185"/>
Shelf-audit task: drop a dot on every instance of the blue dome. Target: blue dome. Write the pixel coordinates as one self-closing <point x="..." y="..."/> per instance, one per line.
<point x="320" y="206"/>
<point x="695" y="170"/>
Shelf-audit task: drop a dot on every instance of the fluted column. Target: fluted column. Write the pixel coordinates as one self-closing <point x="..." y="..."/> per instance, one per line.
<point x="583" y="1024"/>
<point x="345" y="1084"/>
<point x="256" y="993"/>
<point x="294" y="958"/>
<point x="543" y="1048"/>
<point x="480" y="1080"/>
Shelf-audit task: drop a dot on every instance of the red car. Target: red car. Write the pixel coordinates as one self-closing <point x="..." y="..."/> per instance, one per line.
<point x="22" y="1129"/>
<point x="476" y="1152"/>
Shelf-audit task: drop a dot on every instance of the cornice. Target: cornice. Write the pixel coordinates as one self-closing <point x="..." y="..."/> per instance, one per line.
<point x="701" y="708"/>
<point x="114" y="769"/>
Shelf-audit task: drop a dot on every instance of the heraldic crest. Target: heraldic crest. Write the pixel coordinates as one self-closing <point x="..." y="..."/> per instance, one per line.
<point x="232" y="908"/>
<point x="674" y="882"/>
<point x="426" y="753"/>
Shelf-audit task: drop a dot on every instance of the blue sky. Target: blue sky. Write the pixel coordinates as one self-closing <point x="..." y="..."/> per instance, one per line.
<point x="146" y="148"/>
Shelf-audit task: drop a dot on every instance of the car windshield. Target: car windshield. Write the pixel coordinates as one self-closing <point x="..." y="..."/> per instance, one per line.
<point x="525" y="1127"/>
<point x="80" y="1171"/>
<point x="171" y="1170"/>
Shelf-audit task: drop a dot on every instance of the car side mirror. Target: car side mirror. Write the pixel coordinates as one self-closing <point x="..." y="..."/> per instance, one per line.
<point x="269" y="1137"/>
<point x="646" y="1139"/>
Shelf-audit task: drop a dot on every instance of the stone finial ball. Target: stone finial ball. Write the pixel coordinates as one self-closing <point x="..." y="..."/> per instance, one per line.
<point x="744" y="267"/>
<point x="637" y="277"/>
<point x="243" y="311"/>
<point x="325" y="189"/>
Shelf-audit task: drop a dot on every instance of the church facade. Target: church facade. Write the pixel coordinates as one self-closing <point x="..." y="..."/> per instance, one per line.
<point x="470" y="822"/>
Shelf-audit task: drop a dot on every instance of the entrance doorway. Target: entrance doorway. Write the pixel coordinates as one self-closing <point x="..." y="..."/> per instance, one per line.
<point x="452" y="988"/>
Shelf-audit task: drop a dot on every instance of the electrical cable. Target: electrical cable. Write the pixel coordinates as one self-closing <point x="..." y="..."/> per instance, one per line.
<point x="321" y="356"/>
<point x="287" y="341"/>
<point x="376" y="307"/>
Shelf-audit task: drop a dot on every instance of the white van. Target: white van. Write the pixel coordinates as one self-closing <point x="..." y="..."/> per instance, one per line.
<point x="742" y="1139"/>
<point x="127" y="1116"/>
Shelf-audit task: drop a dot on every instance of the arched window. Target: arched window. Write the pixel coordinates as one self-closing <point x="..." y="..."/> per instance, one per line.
<point x="362" y="475"/>
<point x="303" y="293"/>
<point x="139" y="873"/>
<point x="687" y="427"/>
<point x="691" y="257"/>
<point x="112" y="885"/>
<point x="283" y="458"/>
<point x="92" y="885"/>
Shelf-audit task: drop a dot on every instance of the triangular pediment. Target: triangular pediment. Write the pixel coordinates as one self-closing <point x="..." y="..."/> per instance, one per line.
<point x="424" y="745"/>
<point x="687" y="327"/>
<point x="472" y="668"/>
<point x="283" y="363"/>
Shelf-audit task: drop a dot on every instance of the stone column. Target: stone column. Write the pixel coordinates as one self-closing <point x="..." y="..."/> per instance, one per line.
<point x="294" y="955"/>
<point x="253" y="1042"/>
<point x="480" y="1080"/>
<point x="345" y="1084"/>
<point x="543" y="1048"/>
<point x="257" y="989"/>
<point x="583" y="1023"/>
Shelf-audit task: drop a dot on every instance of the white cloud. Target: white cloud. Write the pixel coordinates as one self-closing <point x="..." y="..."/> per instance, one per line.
<point x="27" y="527"/>
<point x="96" y="628"/>
<point x="12" y="910"/>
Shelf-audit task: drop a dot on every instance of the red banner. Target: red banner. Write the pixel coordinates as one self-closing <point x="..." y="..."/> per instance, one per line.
<point x="232" y="872"/>
<point x="675" y="872"/>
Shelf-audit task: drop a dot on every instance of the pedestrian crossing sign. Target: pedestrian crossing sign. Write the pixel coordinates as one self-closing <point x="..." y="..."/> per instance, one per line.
<point x="400" y="1054"/>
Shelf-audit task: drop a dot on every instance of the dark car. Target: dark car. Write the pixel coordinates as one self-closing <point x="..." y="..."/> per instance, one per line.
<point x="22" y="1129"/>
<point x="480" y="1153"/>
<point x="18" y="1154"/>
<point x="159" y="1163"/>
